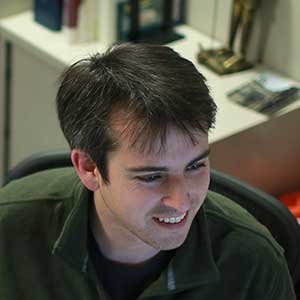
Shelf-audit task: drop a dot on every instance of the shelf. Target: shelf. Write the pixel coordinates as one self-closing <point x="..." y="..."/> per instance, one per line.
<point x="52" y="48"/>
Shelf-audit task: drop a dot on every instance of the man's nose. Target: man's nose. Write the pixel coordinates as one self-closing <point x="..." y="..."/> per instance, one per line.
<point x="177" y="196"/>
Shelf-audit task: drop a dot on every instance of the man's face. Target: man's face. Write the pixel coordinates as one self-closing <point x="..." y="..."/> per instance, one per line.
<point x="152" y="199"/>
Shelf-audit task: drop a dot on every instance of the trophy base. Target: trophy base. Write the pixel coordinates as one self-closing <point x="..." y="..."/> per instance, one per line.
<point x="223" y="61"/>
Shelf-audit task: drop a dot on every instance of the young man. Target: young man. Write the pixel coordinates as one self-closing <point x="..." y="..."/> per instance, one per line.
<point x="135" y="219"/>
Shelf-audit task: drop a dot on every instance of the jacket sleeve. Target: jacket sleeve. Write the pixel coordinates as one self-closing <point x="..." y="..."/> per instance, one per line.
<point x="282" y="288"/>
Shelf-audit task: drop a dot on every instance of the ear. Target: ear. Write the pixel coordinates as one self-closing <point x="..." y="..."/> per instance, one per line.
<point x="85" y="168"/>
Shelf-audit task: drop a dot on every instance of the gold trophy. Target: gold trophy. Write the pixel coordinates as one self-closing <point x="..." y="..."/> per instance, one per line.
<point x="225" y="60"/>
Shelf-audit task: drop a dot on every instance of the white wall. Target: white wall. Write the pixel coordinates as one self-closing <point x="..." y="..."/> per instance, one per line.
<point x="200" y="15"/>
<point x="283" y="40"/>
<point x="10" y="7"/>
<point x="1" y="106"/>
<point x="275" y="40"/>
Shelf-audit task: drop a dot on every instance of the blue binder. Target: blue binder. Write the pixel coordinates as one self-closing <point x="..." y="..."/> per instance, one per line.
<point x="49" y="13"/>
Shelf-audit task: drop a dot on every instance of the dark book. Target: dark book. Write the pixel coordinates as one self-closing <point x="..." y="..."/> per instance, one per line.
<point x="49" y="13"/>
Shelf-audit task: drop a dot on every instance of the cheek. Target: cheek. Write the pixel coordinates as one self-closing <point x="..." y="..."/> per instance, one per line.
<point x="144" y="198"/>
<point x="198" y="185"/>
<point x="135" y="199"/>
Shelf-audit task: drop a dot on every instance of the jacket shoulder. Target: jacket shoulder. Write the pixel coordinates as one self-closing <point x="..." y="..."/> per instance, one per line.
<point x="225" y="216"/>
<point x="50" y="184"/>
<point x="42" y="200"/>
<point x="245" y="250"/>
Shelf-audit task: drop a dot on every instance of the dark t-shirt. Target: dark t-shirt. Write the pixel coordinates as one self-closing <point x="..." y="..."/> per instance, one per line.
<point x="126" y="281"/>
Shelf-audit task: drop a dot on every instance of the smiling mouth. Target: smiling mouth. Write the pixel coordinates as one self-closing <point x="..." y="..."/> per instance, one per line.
<point x="172" y="220"/>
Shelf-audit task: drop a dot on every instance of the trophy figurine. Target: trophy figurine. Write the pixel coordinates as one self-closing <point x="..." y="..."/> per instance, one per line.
<point x="226" y="60"/>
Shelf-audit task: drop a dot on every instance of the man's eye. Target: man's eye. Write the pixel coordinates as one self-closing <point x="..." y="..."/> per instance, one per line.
<point x="196" y="166"/>
<point x="149" y="178"/>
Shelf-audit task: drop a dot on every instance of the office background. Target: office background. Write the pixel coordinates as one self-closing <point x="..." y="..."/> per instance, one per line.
<point x="274" y="42"/>
<point x="275" y="30"/>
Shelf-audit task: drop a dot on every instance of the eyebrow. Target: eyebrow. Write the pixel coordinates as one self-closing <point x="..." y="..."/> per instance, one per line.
<point x="165" y="169"/>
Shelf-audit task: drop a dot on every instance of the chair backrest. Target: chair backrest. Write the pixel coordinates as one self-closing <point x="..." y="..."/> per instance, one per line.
<point x="269" y="211"/>
<point x="39" y="162"/>
<point x="266" y="209"/>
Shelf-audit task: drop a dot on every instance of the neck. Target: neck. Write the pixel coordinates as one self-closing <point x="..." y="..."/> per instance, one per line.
<point x="116" y="242"/>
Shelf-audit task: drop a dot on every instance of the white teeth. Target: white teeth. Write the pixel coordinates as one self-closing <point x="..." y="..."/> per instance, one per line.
<point x="166" y="220"/>
<point x="172" y="220"/>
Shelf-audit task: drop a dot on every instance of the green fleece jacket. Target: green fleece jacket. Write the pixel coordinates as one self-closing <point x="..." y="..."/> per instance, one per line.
<point x="44" y="253"/>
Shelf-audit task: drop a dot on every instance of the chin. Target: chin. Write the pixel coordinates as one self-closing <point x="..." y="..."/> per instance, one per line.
<point x="171" y="244"/>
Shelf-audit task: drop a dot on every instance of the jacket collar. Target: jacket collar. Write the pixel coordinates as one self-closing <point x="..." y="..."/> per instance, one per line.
<point x="71" y="244"/>
<point x="192" y="265"/>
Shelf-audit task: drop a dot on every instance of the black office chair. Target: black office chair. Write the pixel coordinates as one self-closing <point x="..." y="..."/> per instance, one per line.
<point x="267" y="209"/>
<point x="39" y="162"/>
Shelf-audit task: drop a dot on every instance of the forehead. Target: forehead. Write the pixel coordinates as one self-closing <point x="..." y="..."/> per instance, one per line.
<point x="149" y="137"/>
<point x="172" y="145"/>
